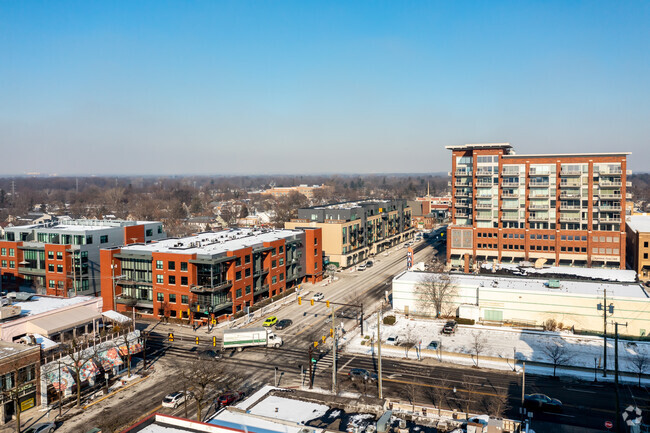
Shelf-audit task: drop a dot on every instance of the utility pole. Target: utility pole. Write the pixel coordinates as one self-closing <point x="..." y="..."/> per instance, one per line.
<point x="311" y="351"/>
<point x="618" y="403"/>
<point x="606" y="308"/>
<point x="380" y="395"/>
<point x="361" y="321"/>
<point x="333" y="352"/>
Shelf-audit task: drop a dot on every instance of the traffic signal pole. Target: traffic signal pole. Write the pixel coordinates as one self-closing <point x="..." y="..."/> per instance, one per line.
<point x="333" y="353"/>
<point x="311" y="351"/>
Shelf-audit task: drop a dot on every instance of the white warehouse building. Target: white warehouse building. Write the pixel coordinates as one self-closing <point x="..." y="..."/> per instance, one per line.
<point x="527" y="301"/>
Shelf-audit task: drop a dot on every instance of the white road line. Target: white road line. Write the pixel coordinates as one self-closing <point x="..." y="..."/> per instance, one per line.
<point x="347" y="363"/>
<point x="582" y="390"/>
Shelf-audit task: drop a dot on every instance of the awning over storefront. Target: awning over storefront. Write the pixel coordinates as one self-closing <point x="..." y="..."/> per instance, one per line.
<point x="63" y="321"/>
<point x="115" y="316"/>
<point x="60" y="378"/>
<point x="133" y="348"/>
<point x="110" y="359"/>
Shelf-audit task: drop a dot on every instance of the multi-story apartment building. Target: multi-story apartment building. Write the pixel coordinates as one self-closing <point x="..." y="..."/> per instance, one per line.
<point x="209" y="274"/>
<point x="567" y="209"/>
<point x="353" y="231"/>
<point x="638" y="245"/>
<point x="61" y="257"/>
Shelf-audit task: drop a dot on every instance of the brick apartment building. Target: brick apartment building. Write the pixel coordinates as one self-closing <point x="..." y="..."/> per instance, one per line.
<point x="567" y="209"/>
<point x="353" y="231"/>
<point x="61" y="257"/>
<point x="210" y="274"/>
<point x="637" y="229"/>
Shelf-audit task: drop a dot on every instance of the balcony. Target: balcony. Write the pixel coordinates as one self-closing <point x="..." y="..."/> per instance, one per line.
<point x="533" y="205"/>
<point x="537" y="217"/>
<point x="609" y="207"/>
<point x="539" y="194"/>
<point x="539" y="184"/>
<point x="510" y="172"/>
<point x="483" y="216"/>
<point x="611" y="183"/>
<point x="609" y="219"/>
<point x="484" y="183"/>
<point x="564" y="206"/>
<point x="127" y="301"/>
<point x="510" y="216"/>
<point x="480" y="172"/>
<point x="484" y="205"/>
<point x="628" y="195"/>
<point x="506" y="184"/>
<point x="463" y="173"/>
<point x="615" y="171"/>
<point x="564" y="184"/>
<point x="569" y="172"/>
<point x="532" y="172"/>
<point x="510" y="194"/>
<point x="195" y="288"/>
<point x="628" y="184"/>
<point x="462" y="215"/>
<point x="462" y="194"/>
<point x="263" y="289"/>
<point x="569" y="218"/>
<point x="609" y="195"/>
<point x="258" y="272"/>
<point x="463" y="204"/>
<point x="31" y="271"/>
<point x="463" y="183"/>
<point x="564" y="195"/>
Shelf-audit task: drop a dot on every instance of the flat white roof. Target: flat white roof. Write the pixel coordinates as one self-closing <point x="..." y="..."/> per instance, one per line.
<point x="480" y="146"/>
<point x="351" y="205"/>
<point x="80" y="225"/>
<point x="559" y="155"/>
<point x="213" y="242"/>
<point x="638" y="223"/>
<point x="43" y="304"/>
<point x="588" y="288"/>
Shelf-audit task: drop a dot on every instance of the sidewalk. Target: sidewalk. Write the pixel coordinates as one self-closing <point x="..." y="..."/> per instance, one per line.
<point x="29" y="417"/>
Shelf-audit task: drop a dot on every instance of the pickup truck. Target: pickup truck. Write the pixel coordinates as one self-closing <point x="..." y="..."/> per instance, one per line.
<point x="250" y="337"/>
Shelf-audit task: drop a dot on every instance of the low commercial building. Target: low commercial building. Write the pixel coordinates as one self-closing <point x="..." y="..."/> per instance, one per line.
<point x="353" y="231"/>
<point x="284" y="191"/>
<point x="528" y="301"/>
<point x="20" y="385"/>
<point x="637" y="231"/>
<point x="61" y="258"/>
<point x="211" y="274"/>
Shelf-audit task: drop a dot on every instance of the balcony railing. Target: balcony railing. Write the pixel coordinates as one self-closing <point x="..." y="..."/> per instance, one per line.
<point x="609" y="207"/>
<point x="610" y="183"/>
<point x="570" y="184"/>
<point x="612" y="171"/>
<point x="510" y="172"/>
<point x="484" y="184"/>
<point x="569" y="172"/>
<point x="195" y="288"/>
<point x="484" y="205"/>
<point x="539" y="195"/>
<point x="461" y="215"/>
<point x="463" y="173"/>
<point x="569" y="195"/>
<point x="506" y="184"/>
<point x="510" y="216"/>
<point x="480" y="172"/>
<point x="462" y="183"/>
<point x="538" y="217"/>
<point x="538" y="205"/>
<point x="569" y="218"/>
<point x="463" y="204"/>
<point x="533" y="172"/>
<point x="510" y="194"/>
<point x="484" y="216"/>
<point x="537" y="183"/>
<point x="609" y="219"/>
<point x="565" y="206"/>
<point x="608" y="195"/>
<point x="462" y="194"/>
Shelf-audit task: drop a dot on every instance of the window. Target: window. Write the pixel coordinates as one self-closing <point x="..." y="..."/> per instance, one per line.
<point x="183" y="281"/>
<point x="159" y="264"/>
<point x="238" y="261"/>
<point x="281" y="261"/>
<point x="247" y="272"/>
<point x="159" y="229"/>
<point x="274" y="263"/>
<point x="183" y="266"/>
<point x="4" y="264"/>
<point x="160" y="279"/>
<point x="50" y="254"/>
<point x="171" y="266"/>
<point x="89" y="240"/>
<point x="316" y="266"/>
<point x="59" y="268"/>
<point x="248" y="290"/>
<point x="645" y="255"/>
<point x="315" y="251"/>
<point x="247" y="258"/>
<point x="149" y="232"/>
<point x="274" y="279"/>
<point x="645" y="245"/>
<point x="282" y="277"/>
<point x="184" y="299"/>
<point x="281" y="249"/>
<point x="59" y="255"/>
<point x="160" y="297"/>
<point x="52" y="284"/>
<point x="103" y="239"/>
<point x="238" y="275"/>
<point x="172" y="298"/>
<point x="171" y="279"/>
<point x="50" y="268"/>
<point x="172" y="313"/>
<point x="274" y="252"/>
<point x="238" y="293"/>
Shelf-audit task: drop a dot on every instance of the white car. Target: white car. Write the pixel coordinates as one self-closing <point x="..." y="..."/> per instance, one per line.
<point x="361" y="267"/>
<point x="44" y="427"/>
<point x="318" y="296"/>
<point x="393" y="339"/>
<point x="174" y="399"/>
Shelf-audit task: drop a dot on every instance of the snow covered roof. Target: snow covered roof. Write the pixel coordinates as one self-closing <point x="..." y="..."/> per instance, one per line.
<point x="639" y="223"/>
<point x="81" y="225"/>
<point x="9" y="349"/>
<point x="233" y="419"/>
<point x="588" y="288"/>
<point x="214" y="242"/>
<point x="115" y="316"/>
<point x="43" y="304"/>
<point x="616" y="275"/>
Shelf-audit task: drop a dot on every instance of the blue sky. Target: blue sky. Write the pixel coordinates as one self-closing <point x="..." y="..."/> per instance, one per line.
<point x="209" y="87"/>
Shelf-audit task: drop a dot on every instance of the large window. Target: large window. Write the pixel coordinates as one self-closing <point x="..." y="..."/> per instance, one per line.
<point x="103" y="239"/>
<point x="171" y="266"/>
<point x="172" y="279"/>
<point x="183" y="266"/>
<point x="172" y="298"/>
<point x="159" y="264"/>
<point x="160" y="279"/>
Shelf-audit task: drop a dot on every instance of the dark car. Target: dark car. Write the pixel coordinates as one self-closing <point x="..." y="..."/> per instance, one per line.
<point x="450" y="327"/>
<point x="212" y="354"/>
<point x="228" y="398"/>
<point x="284" y="323"/>
<point x="360" y="373"/>
<point x="369" y="264"/>
<point x="542" y="402"/>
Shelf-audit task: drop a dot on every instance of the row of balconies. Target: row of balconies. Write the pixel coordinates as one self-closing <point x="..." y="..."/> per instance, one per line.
<point x="534" y="172"/>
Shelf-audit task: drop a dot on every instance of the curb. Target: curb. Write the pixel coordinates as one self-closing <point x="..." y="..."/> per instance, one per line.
<point x="113" y="393"/>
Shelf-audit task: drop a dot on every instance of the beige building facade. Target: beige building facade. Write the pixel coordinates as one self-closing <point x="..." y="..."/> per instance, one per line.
<point x="637" y="232"/>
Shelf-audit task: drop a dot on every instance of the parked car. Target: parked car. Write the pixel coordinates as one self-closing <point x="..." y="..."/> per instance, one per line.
<point x="369" y="264"/>
<point x="42" y="427"/>
<point x="284" y="323"/>
<point x="363" y="374"/>
<point x="393" y="339"/>
<point x="175" y="398"/>
<point x="228" y="398"/>
<point x="270" y="321"/>
<point x="318" y="296"/>
<point x="361" y="267"/>
<point x="450" y="327"/>
<point x="434" y="345"/>
<point x="542" y="402"/>
<point x="212" y="354"/>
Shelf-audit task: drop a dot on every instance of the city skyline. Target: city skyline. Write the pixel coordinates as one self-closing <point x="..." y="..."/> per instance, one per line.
<point x="165" y="88"/>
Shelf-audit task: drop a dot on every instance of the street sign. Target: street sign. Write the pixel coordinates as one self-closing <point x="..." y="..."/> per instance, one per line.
<point x="609" y="424"/>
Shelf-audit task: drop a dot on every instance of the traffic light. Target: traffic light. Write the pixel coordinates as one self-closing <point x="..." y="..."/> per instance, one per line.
<point x="196" y="340"/>
<point x="198" y="308"/>
<point x="331" y="332"/>
<point x="312" y="302"/>
<point x="214" y="341"/>
<point x="315" y="344"/>
<point x="299" y="300"/>
<point x="324" y="337"/>
<point x="327" y="303"/>
<point x="214" y="320"/>
<point x="170" y="337"/>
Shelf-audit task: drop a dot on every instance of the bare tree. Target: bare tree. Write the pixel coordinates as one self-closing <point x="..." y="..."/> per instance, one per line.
<point x="15" y="380"/>
<point x="439" y="392"/>
<point x="470" y="388"/>
<point x="496" y="403"/>
<point x="640" y="362"/>
<point x="436" y="291"/>
<point x="127" y="343"/>
<point x="479" y="343"/>
<point x="228" y="213"/>
<point x="410" y="389"/>
<point x="78" y="358"/>
<point x="409" y="341"/>
<point x="198" y="376"/>
<point x="557" y="353"/>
